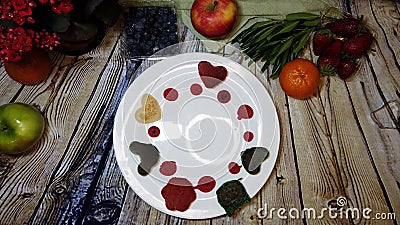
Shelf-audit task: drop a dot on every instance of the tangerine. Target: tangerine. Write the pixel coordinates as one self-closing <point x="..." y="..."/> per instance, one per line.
<point x="34" y="67"/>
<point x="299" y="78"/>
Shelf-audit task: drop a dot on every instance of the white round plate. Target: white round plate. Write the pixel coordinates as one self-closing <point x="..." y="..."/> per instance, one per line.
<point x="199" y="133"/>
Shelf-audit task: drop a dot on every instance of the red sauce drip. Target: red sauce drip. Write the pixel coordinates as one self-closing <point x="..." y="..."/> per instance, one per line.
<point x="234" y="168"/>
<point x="178" y="194"/>
<point x="245" y="112"/>
<point x="211" y="75"/>
<point x="224" y="96"/>
<point x="153" y="131"/>
<point x="168" y="168"/>
<point x="206" y="184"/>
<point x="196" y="89"/>
<point x="170" y="94"/>
<point x="248" y="136"/>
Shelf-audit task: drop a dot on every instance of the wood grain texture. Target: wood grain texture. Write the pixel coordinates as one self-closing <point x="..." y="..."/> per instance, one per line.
<point x="378" y="86"/>
<point x="87" y="149"/>
<point x="65" y="109"/>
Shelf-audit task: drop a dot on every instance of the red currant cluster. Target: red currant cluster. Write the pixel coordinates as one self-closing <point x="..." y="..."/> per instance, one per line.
<point x="15" y="41"/>
<point x="59" y="6"/>
<point x="16" y="33"/>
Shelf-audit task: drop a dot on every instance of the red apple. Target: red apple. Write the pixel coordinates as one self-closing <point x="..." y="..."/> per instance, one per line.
<point x="213" y="18"/>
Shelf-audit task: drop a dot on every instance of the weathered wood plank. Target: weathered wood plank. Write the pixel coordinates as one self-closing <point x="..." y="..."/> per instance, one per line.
<point x="317" y="160"/>
<point x="11" y="89"/>
<point x="62" y="114"/>
<point x="291" y="185"/>
<point x="106" y="203"/>
<point x="17" y="173"/>
<point x="348" y="155"/>
<point x="340" y="151"/>
<point x="361" y="180"/>
<point x="109" y="194"/>
<point x="15" y="168"/>
<point x="284" y="186"/>
<point x="136" y="211"/>
<point x="378" y="84"/>
<point x="91" y="134"/>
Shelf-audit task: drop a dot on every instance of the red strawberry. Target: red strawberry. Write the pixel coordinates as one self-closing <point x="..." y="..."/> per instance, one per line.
<point x="346" y="68"/>
<point x="347" y="27"/>
<point x="358" y="46"/>
<point x="321" y="41"/>
<point x="329" y="60"/>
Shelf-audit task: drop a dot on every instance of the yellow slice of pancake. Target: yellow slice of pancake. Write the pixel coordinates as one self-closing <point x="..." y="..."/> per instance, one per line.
<point x="150" y="110"/>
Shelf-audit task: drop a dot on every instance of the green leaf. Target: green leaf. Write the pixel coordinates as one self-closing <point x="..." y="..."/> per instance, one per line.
<point x="286" y="45"/>
<point x="84" y="9"/>
<point x="276" y="42"/>
<point x="266" y="33"/>
<point x="8" y="23"/>
<point x="108" y="12"/>
<point x="254" y="31"/>
<point x="78" y="32"/>
<point x="301" y="16"/>
<point x="58" y="22"/>
<point x="287" y="27"/>
<point x="243" y="34"/>
<point x="303" y="40"/>
<point x="268" y="45"/>
<point x="312" y="23"/>
<point x="279" y="65"/>
<point x="269" y="55"/>
<point x="265" y="67"/>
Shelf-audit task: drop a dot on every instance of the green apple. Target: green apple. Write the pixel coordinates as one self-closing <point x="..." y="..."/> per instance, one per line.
<point x="21" y="126"/>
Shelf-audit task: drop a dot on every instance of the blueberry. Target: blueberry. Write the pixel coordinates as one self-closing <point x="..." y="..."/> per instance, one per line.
<point x="172" y="18"/>
<point x="157" y="25"/>
<point x="172" y="37"/>
<point x="163" y="11"/>
<point x="137" y="36"/>
<point x="150" y="29"/>
<point x="139" y="13"/>
<point x="149" y="11"/>
<point x="139" y="26"/>
<point x="173" y="28"/>
<point x="132" y="11"/>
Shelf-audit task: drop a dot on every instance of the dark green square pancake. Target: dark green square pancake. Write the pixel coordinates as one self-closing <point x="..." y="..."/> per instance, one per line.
<point x="232" y="195"/>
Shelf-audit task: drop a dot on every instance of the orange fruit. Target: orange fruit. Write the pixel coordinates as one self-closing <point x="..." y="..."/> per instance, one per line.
<point x="34" y="67"/>
<point x="299" y="78"/>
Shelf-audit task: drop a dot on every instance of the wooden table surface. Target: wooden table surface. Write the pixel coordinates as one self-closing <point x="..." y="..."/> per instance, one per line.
<point x="342" y="142"/>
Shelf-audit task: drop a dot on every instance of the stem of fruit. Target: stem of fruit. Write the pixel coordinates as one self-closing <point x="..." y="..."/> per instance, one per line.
<point x="212" y="6"/>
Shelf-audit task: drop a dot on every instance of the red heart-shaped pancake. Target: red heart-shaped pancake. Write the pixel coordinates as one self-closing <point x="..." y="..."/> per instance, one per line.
<point x="211" y="75"/>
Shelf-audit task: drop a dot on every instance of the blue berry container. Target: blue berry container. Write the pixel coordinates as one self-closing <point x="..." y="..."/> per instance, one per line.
<point x="149" y="26"/>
